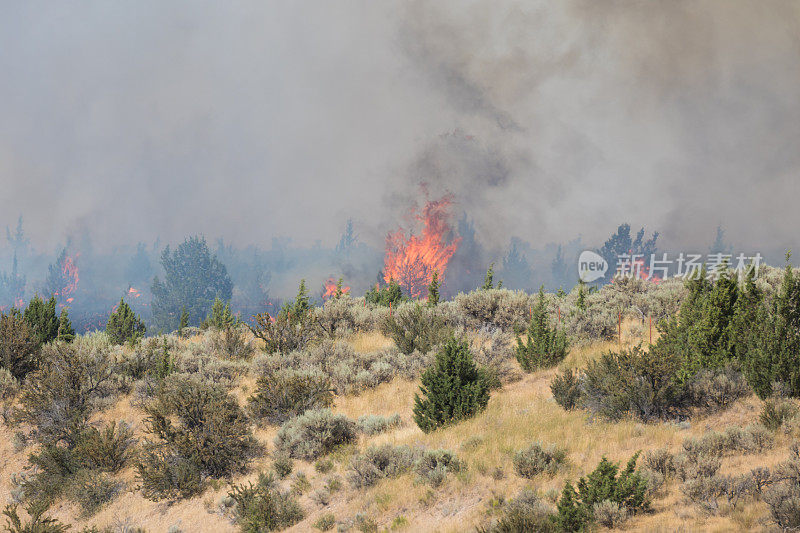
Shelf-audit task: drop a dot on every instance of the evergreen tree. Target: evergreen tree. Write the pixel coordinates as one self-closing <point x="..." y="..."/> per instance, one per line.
<point x="12" y="286"/>
<point x="545" y="346"/>
<point x="581" y="300"/>
<point x="391" y="294"/>
<point x="124" y="325"/>
<point x="42" y="319"/>
<point x="433" y="290"/>
<point x="194" y="279"/>
<point x="516" y="268"/>
<point x="621" y="243"/>
<point x="453" y="388"/>
<point x="339" y="288"/>
<point x="719" y="245"/>
<point x="301" y="305"/>
<point x="184" y="323"/>
<point x="220" y="316"/>
<point x="488" y="280"/>
<point x="65" y="331"/>
<point x="772" y="349"/>
<point x="571" y="515"/>
<point x="348" y="239"/>
<point x="139" y="269"/>
<point x="559" y="268"/>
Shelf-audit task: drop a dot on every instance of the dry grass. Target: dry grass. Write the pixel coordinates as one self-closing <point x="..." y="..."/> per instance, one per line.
<point x="517" y="415"/>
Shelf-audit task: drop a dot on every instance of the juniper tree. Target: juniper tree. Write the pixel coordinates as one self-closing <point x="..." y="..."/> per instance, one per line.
<point x="339" y="288"/>
<point x="488" y="280"/>
<point x="773" y="349"/>
<point x="65" y="331"/>
<point x="194" y="278"/>
<point x="301" y="304"/>
<point x="184" y="322"/>
<point x="391" y="294"/>
<point x="124" y="325"/>
<point x="433" y="290"/>
<point x="19" y="350"/>
<point x="42" y="319"/>
<point x="545" y="346"/>
<point x="452" y="389"/>
<point x="220" y="316"/>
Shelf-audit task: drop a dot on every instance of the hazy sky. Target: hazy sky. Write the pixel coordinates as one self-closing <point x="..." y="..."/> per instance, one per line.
<point x="248" y="120"/>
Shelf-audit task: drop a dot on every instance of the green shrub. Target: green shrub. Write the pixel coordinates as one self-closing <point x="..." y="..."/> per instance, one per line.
<point x="124" y="325"/>
<point x="60" y="396"/>
<point x="452" y="389"/>
<point x="283" y="465"/>
<point x="433" y="465"/>
<point x="634" y="382"/>
<point x="391" y="294"/>
<point x="91" y="490"/>
<point x="9" y="388"/>
<point x="378" y="462"/>
<point x="19" y="349"/>
<point x="263" y="507"/>
<point x="42" y="319"/>
<point x="782" y="495"/>
<point x="300" y="484"/>
<point x="38" y="523"/>
<point x="414" y="327"/>
<point x="288" y="393"/>
<point x="566" y="389"/>
<point x="375" y="424"/>
<point x="545" y="346"/>
<point x="660" y="460"/>
<point x="163" y="474"/>
<point x="220" y="316"/>
<point x="537" y="459"/>
<point x="314" y="434"/>
<point x="108" y="450"/>
<point x="494" y="308"/>
<point x="198" y="428"/>
<point x="325" y="522"/>
<point x="323" y="466"/>
<point x="626" y="488"/>
<point x="609" y="514"/>
<point x="715" y="390"/>
<point x="284" y="332"/>
<point x="230" y="343"/>
<point x="776" y="411"/>
<point x="524" y="513"/>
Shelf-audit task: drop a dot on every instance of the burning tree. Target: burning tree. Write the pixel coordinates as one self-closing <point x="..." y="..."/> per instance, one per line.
<point x="62" y="278"/>
<point x="411" y="260"/>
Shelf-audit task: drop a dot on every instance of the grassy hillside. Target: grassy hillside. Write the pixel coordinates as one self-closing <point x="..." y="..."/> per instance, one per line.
<point x="520" y="413"/>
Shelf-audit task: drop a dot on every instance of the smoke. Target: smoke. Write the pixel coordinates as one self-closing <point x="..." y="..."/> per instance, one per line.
<point x="545" y="120"/>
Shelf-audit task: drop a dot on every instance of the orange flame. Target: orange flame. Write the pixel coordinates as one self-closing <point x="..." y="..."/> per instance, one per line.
<point x="330" y="288"/>
<point x="71" y="278"/>
<point x="133" y="293"/>
<point x="411" y="260"/>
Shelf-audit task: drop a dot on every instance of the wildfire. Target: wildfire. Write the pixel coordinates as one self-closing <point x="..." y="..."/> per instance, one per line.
<point x="133" y="293"/>
<point x="331" y="288"/>
<point x="411" y="260"/>
<point x="70" y="271"/>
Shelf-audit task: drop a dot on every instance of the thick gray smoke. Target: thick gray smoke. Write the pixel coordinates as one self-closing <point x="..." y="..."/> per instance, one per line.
<point x="249" y="120"/>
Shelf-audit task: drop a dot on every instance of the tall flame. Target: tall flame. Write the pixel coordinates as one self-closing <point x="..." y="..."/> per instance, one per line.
<point x="71" y="278"/>
<point x="331" y="286"/>
<point x="411" y="260"/>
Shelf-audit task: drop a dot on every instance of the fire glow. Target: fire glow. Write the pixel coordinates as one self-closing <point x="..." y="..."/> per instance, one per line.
<point x="70" y="271"/>
<point x="331" y="287"/>
<point x="411" y="260"/>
